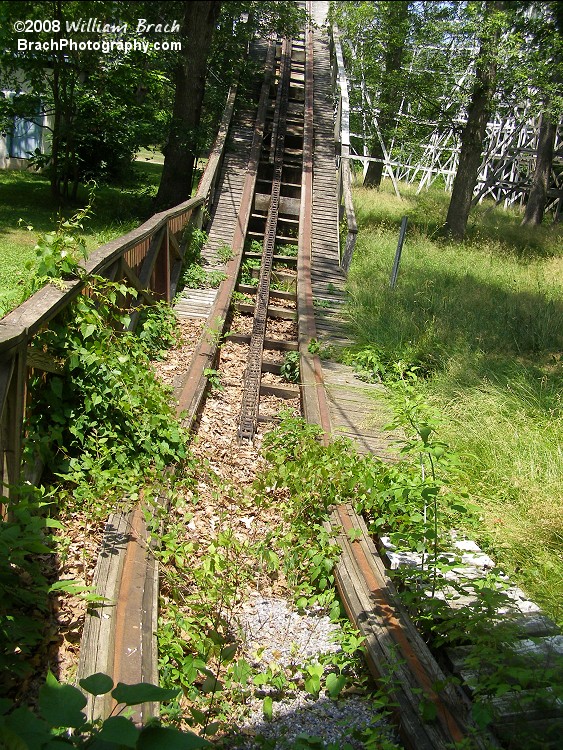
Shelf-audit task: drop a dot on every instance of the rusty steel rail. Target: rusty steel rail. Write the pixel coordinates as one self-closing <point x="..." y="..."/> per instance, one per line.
<point x="251" y="393"/>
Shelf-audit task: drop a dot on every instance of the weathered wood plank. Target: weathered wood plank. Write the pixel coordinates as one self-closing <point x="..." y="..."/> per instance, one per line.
<point x="96" y="652"/>
<point x="266" y="389"/>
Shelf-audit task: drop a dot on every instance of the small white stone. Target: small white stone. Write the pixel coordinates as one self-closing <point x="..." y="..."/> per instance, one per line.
<point x="478" y="561"/>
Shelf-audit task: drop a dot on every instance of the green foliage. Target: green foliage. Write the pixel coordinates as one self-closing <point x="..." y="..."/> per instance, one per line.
<point x="58" y="252"/>
<point x="60" y="710"/>
<point x="482" y="324"/>
<point x="158" y="329"/>
<point x="101" y="422"/>
<point x="290" y="367"/>
<point x="375" y="365"/>
<point x="314" y="346"/>
<point x="246" y="275"/>
<point x="196" y="277"/>
<point x="104" y="104"/>
<point x="202" y="581"/>
<point x="225" y="253"/>
<point x="195" y="239"/>
<point x="104" y="420"/>
<point x="321" y="303"/>
<point x="246" y="299"/>
<point x="415" y="502"/>
<point x="23" y="194"/>
<point x="214" y="332"/>
<point x="23" y="584"/>
<point x="214" y="379"/>
<point x="309" y="472"/>
<point x="291" y="251"/>
<point x="197" y="649"/>
<point x="389" y="49"/>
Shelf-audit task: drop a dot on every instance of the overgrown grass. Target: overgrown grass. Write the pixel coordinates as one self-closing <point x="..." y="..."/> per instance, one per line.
<point x="26" y="196"/>
<point x="484" y="319"/>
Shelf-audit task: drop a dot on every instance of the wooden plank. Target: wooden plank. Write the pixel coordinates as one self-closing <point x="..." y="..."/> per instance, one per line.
<point x="174" y="245"/>
<point x="13" y="421"/>
<point x="134" y="646"/>
<point x="6" y="371"/>
<point x="135" y="282"/>
<point x="150" y="259"/>
<point x="271" y="367"/>
<point x="276" y="344"/>
<point x="381" y="657"/>
<point x="280" y="391"/>
<point x="274" y="293"/>
<point x="532" y="735"/>
<point x="43" y="361"/>
<point x="96" y="651"/>
<point x="282" y="313"/>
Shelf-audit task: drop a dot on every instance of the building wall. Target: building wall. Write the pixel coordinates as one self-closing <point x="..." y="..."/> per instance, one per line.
<point x="26" y="136"/>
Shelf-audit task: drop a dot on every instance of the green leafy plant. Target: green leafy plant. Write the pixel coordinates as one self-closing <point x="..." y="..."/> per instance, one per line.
<point x="215" y="331"/>
<point x="196" y="277"/>
<point x="225" y="253"/>
<point x="104" y="420"/>
<point x="290" y="367"/>
<point x="291" y="251"/>
<point x="197" y="649"/>
<point x="24" y="587"/>
<point x="61" y="722"/>
<point x="376" y="365"/>
<point x="194" y="239"/>
<point x="241" y="297"/>
<point x="254" y="246"/>
<point x="214" y="379"/>
<point x="158" y="329"/>
<point x="314" y="346"/>
<point x="59" y="252"/>
<point x="246" y="271"/>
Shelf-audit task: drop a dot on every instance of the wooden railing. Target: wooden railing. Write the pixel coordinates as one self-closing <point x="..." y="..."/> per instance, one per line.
<point x="148" y="259"/>
<point x="342" y="139"/>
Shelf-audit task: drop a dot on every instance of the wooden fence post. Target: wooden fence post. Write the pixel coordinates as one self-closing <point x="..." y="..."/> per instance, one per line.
<point x="12" y="402"/>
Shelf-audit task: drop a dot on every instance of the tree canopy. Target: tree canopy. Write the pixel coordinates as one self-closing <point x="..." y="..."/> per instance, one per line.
<point x="419" y="67"/>
<point x="114" y="90"/>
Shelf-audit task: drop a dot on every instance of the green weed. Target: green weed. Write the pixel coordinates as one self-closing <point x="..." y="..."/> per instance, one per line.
<point x="480" y="324"/>
<point x="290" y="367"/>
<point x="104" y="420"/>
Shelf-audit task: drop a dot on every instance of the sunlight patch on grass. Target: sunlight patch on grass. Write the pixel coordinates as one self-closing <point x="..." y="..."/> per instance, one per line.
<point x="26" y="196"/>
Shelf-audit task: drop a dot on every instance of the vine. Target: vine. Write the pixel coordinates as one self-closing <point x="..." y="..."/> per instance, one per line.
<point x="103" y="420"/>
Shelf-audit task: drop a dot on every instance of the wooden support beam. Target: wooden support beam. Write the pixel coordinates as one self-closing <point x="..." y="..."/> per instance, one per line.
<point x="132" y="278"/>
<point x="43" y="361"/>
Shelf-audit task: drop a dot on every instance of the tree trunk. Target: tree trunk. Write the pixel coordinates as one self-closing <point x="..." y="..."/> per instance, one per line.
<point x="181" y="149"/>
<point x="390" y="96"/>
<point x="540" y="182"/>
<point x="57" y="115"/>
<point x="374" y="171"/>
<point x="473" y="135"/>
